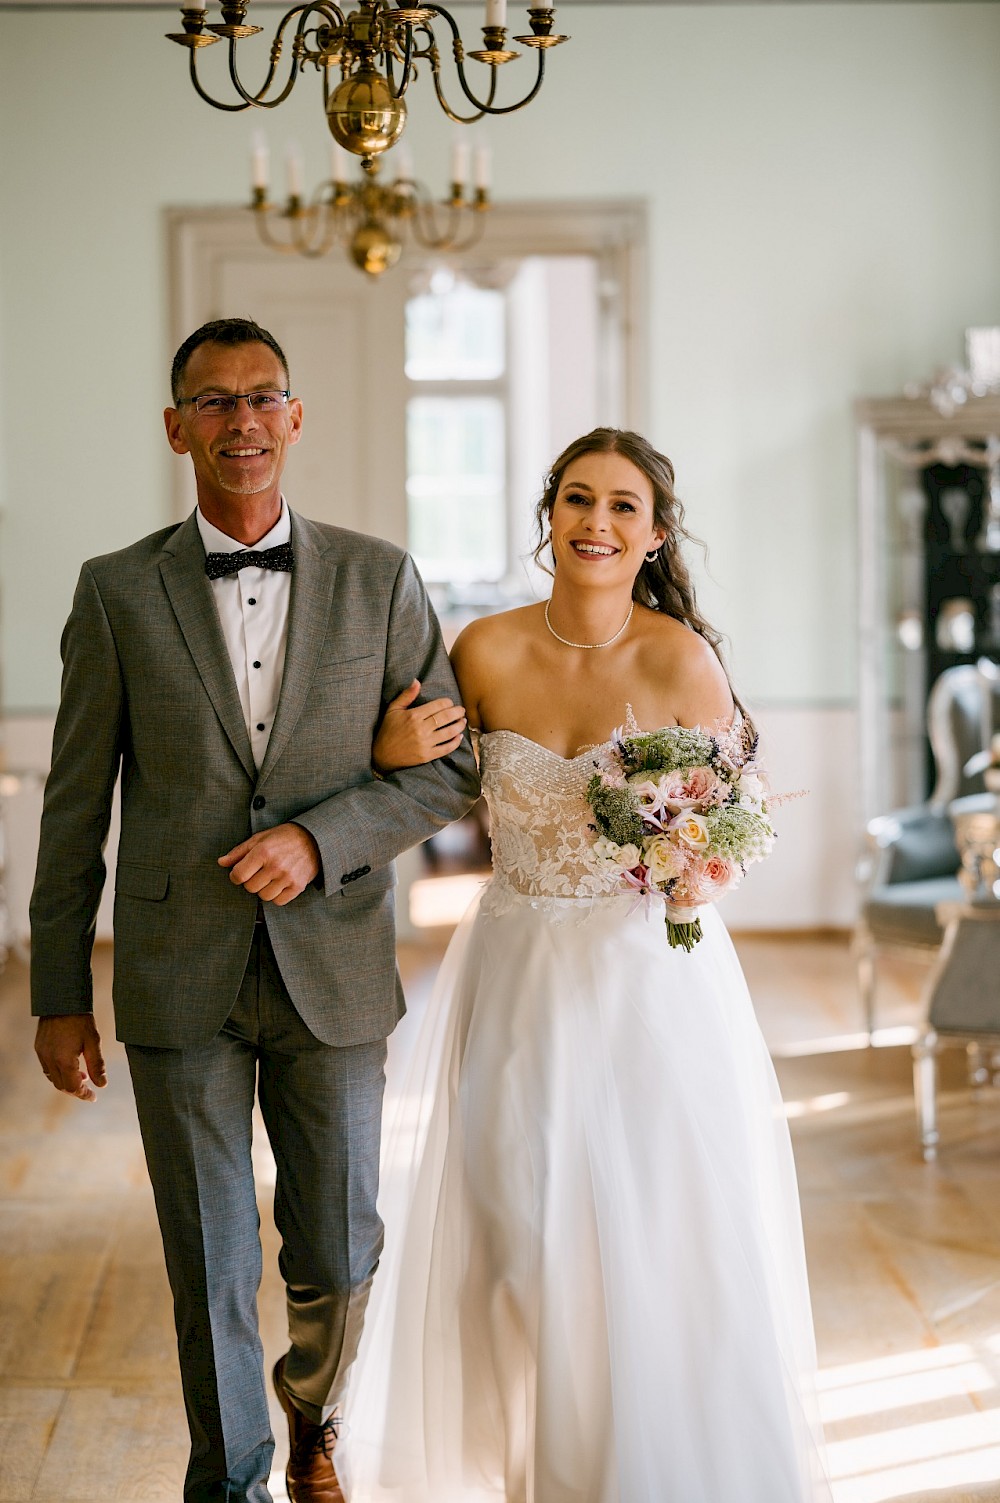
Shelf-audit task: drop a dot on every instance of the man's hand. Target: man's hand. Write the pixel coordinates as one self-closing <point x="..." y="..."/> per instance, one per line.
<point x="409" y="737"/>
<point x="275" y="864"/>
<point x="59" y="1043"/>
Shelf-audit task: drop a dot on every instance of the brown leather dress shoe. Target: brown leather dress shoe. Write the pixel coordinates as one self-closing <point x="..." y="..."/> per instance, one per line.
<point x="309" y="1476"/>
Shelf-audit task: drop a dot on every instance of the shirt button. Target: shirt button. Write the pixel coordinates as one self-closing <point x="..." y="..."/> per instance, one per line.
<point x="256" y="665"/>
<point x="259" y="801"/>
<point x="260" y="725"/>
<point x="251" y="601"/>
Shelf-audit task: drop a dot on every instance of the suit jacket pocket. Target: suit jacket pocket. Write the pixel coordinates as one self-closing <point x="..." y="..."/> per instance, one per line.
<point x="141" y="882"/>
<point x="347" y="667"/>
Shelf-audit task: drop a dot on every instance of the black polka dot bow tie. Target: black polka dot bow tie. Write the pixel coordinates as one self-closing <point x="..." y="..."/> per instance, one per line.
<point x="280" y="558"/>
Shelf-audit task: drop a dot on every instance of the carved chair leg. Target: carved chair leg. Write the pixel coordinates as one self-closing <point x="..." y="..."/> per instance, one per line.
<point x="925" y="1093"/>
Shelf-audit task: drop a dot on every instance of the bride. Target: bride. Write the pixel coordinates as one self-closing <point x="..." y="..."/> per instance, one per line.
<point x="594" y="1288"/>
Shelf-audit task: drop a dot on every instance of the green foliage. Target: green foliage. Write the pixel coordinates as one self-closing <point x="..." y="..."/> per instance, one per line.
<point x="739" y="834"/>
<point x="666" y="750"/>
<point x="615" y="811"/>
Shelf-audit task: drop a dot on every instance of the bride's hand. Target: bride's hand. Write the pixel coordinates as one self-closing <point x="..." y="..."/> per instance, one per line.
<point x="413" y="734"/>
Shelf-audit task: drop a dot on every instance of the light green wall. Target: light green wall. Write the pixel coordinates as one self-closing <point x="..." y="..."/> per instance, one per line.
<point x="824" y="219"/>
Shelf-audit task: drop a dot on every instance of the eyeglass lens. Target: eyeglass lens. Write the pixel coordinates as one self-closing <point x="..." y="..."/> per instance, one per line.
<point x="216" y="403"/>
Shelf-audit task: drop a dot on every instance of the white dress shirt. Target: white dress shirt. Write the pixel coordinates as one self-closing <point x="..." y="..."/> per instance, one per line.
<point x="253" y="611"/>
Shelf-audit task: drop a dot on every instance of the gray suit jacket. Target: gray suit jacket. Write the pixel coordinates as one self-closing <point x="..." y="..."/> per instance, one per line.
<point x="148" y="689"/>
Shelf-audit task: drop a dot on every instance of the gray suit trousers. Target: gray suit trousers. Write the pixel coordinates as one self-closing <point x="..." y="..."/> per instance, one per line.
<point x="322" y="1106"/>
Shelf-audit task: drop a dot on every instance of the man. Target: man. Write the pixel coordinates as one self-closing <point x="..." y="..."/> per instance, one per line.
<point x="234" y="670"/>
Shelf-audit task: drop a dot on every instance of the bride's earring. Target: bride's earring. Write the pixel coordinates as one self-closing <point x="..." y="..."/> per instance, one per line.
<point x="652" y="557"/>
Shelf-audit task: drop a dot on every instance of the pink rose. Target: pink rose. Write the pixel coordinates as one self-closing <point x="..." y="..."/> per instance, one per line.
<point x="692" y="787"/>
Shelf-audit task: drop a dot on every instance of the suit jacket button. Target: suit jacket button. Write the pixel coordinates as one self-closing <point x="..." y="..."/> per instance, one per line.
<point x="363" y="871"/>
<point x="259" y="801"/>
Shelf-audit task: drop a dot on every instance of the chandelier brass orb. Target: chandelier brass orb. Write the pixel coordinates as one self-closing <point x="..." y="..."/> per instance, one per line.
<point x="364" y="115"/>
<point x="374" y="248"/>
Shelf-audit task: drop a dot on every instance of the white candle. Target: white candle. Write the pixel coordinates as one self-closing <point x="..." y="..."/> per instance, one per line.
<point x="483" y="163"/>
<point x="536" y="6"/>
<point x="459" y="161"/>
<point x="293" y="166"/>
<point x="259" y="161"/>
<point x="338" y="162"/>
<point x="496" y="12"/>
<point x="404" y="164"/>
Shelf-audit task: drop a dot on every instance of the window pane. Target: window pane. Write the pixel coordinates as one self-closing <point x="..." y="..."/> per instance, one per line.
<point x="455" y="487"/>
<point x="456" y="335"/>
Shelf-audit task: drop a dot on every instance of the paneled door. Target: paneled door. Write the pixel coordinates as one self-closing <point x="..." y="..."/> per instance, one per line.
<point x="344" y="340"/>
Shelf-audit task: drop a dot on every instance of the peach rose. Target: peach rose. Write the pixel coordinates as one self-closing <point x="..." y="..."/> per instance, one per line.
<point x="710" y="879"/>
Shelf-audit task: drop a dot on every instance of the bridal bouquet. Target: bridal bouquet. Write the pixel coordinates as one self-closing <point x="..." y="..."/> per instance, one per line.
<point x="682" y="813"/>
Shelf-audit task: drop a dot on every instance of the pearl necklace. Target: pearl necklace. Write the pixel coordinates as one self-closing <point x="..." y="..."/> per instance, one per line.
<point x="587" y="646"/>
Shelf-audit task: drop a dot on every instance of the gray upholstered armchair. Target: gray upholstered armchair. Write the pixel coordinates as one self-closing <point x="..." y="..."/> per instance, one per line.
<point x="913" y="860"/>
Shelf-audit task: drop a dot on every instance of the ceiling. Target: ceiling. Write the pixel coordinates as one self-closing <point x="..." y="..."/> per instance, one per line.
<point x="564" y="6"/>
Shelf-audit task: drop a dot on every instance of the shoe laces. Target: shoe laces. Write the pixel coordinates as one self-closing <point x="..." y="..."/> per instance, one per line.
<point x="323" y="1438"/>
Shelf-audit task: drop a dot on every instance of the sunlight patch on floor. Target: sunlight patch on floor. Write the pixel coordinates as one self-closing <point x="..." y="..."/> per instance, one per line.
<point x="897" y="1460"/>
<point x="436" y="902"/>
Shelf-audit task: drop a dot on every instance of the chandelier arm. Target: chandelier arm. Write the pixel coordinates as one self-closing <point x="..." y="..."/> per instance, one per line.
<point x="314" y="219"/>
<point x="425" y="224"/>
<point x="258" y="99"/>
<point x="216" y="104"/>
<point x="326" y="8"/>
<point x="404" y="79"/>
<point x="263" y="218"/>
<point x="475" y="231"/>
<point x="487" y="108"/>
<point x="442" y="101"/>
<point x="501" y="109"/>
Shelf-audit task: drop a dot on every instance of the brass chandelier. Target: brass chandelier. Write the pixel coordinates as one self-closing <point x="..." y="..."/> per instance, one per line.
<point x="377" y="48"/>
<point x="368" y="218"/>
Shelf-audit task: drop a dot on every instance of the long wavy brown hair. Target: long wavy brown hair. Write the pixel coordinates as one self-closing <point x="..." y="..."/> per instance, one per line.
<point x="664" y="582"/>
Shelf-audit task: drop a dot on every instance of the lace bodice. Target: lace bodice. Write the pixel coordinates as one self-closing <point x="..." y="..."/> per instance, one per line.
<point x="539" y="817"/>
<point x="540" y="820"/>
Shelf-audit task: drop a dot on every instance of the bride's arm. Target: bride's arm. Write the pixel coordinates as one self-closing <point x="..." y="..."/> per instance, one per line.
<point x="411" y="734"/>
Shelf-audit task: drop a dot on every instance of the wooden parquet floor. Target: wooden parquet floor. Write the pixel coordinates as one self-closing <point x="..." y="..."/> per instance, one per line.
<point x="903" y="1258"/>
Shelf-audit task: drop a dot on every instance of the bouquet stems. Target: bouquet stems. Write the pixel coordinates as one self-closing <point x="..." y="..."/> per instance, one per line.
<point x="683" y="936"/>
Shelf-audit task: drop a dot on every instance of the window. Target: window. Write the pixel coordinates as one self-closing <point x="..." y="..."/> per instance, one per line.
<point x="456" y="432"/>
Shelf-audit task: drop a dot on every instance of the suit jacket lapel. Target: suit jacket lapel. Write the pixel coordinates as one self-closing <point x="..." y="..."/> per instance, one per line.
<point x="308" y="621"/>
<point x="183" y="574"/>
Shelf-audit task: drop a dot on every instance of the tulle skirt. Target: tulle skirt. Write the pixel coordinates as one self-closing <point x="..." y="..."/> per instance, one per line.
<point x="593" y="1289"/>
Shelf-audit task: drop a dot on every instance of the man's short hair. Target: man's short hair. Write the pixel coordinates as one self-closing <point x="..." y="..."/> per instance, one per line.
<point x="229" y="331"/>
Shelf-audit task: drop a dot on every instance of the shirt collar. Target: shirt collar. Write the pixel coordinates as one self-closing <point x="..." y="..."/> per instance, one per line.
<point x="220" y="542"/>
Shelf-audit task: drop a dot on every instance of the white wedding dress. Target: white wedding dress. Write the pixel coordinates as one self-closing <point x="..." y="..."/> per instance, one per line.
<point x="593" y="1288"/>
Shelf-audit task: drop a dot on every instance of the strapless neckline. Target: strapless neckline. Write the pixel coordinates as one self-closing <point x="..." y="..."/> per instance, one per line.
<point x="630" y="728"/>
<point x="586" y="751"/>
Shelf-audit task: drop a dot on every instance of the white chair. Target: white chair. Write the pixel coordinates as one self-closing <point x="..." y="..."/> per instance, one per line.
<point x="913" y="860"/>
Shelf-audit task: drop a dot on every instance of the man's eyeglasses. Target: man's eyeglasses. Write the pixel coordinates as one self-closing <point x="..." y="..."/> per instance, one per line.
<point x="218" y="403"/>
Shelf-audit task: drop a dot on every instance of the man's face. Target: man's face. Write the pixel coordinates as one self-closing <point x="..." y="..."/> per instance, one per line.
<point x="239" y="453"/>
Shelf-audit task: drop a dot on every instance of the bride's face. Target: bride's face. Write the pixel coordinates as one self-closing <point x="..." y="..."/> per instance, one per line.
<point x="602" y="520"/>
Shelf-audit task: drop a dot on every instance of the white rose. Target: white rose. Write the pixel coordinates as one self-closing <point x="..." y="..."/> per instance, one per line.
<point x="663" y="859"/>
